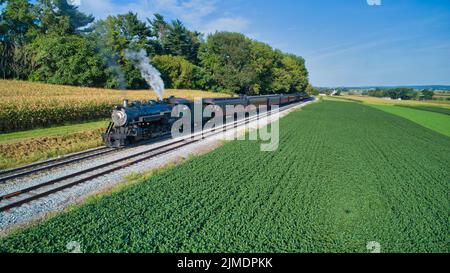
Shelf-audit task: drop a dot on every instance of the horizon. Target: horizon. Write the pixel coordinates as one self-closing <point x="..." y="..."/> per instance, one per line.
<point x="389" y="86"/>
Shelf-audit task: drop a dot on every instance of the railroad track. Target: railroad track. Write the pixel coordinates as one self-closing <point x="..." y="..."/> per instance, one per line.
<point x="28" y="194"/>
<point x="46" y="165"/>
<point x="51" y="163"/>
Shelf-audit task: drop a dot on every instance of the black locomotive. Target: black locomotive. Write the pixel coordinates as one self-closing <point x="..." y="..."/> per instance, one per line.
<point x="135" y="121"/>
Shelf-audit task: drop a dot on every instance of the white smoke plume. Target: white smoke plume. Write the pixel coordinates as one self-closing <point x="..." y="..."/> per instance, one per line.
<point x="148" y="72"/>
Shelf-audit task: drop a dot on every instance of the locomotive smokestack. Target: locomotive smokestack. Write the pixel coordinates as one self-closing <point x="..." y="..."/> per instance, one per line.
<point x="125" y="103"/>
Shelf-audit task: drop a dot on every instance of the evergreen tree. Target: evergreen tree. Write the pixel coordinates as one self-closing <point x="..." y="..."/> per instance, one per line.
<point x="159" y="29"/>
<point x="175" y="39"/>
<point x="60" y="17"/>
<point x="182" y="42"/>
<point x="115" y="34"/>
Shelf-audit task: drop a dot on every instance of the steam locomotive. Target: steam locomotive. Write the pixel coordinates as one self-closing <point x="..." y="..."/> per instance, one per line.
<point x="136" y="121"/>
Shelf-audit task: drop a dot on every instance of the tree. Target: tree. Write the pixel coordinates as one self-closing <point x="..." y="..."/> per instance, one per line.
<point x="225" y="57"/>
<point x="427" y="94"/>
<point x="394" y="93"/>
<point x="310" y="90"/>
<point x="17" y="23"/>
<point x="16" y="20"/>
<point x="411" y="94"/>
<point x="115" y="34"/>
<point x="264" y="60"/>
<point x="400" y="93"/>
<point x="52" y="41"/>
<point x="182" y="42"/>
<point x="177" y="72"/>
<point x="160" y="29"/>
<point x="291" y="76"/>
<point x="175" y="39"/>
<point x="379" y="93"/>
<point x="60" y="17"/>
<point x="71" y="60"/>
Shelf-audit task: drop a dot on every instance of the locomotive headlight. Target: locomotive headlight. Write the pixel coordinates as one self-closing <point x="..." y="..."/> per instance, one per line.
<point x="119" y="118"/>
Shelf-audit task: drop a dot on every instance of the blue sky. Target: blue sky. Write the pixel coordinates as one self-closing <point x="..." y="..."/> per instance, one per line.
<point x="344" y="42"/>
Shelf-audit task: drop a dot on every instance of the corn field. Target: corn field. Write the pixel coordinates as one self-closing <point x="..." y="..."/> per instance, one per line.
<point x="27" y="105"/>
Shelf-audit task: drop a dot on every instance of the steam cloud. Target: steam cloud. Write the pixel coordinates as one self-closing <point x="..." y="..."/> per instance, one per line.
<point x="148" y="72"/>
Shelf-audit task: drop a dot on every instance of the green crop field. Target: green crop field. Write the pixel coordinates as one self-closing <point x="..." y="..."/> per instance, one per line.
<point x="431" y="118"/>
<point x="430" y="109"/>
<point x="345" y="174"/>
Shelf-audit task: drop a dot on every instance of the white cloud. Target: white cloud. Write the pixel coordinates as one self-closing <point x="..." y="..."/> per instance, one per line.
<point x="74" y="2"/>
<point x="236" y="24"/>
<point x="102" y="8"/>
<point x="196" y="14"/>
<point x="374" y="2"/>
<point x="190" y="11"/>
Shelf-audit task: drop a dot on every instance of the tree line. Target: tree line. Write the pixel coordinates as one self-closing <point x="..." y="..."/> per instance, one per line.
<point x="393" y="93"/>
<point x="52" y="41"/>
<point x="401" y="93"/>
